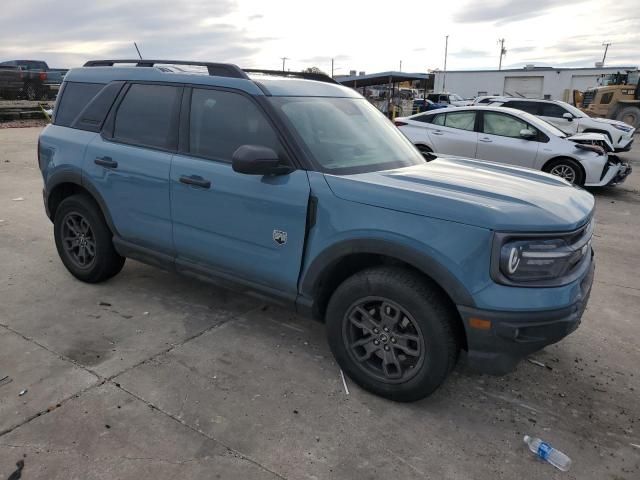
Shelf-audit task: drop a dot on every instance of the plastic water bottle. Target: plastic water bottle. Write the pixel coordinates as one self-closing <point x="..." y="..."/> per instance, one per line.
<point x="548" y="453"/>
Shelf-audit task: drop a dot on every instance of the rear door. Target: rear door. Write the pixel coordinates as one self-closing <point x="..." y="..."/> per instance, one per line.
<point x="500" y="141"/>
<point x="453" y="133"/>
<point x="129" y="163"/>
<point x="248" y="227"/>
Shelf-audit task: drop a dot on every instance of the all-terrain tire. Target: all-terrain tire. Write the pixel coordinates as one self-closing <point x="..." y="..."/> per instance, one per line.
<point x="425" y="315"/>
<point x="630" y="115"/>
<point x="79" y="226"/>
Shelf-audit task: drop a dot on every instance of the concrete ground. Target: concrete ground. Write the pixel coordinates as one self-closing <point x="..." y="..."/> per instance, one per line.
<point x="152" y="375"/>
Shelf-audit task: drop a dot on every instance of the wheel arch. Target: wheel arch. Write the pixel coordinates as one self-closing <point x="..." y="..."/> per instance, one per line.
<point x="65" y="184"/>
<point x="340" y="261"/>
<point x="564" y="157"/>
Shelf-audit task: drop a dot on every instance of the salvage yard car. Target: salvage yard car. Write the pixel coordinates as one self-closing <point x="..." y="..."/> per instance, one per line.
<point x="300" y="190"/>
<point x="571" y="120"/>
<point x="31" y="79"/>
<point x="505" y="135"/>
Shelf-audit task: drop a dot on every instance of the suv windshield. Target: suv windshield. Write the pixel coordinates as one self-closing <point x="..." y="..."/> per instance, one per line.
<point x="347" y="135"/>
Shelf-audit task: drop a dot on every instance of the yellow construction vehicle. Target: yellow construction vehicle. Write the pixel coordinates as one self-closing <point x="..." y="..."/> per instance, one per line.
<point x="617" y="97"/>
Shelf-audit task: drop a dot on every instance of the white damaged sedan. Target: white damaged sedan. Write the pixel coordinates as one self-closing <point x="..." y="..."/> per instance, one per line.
<point x="506" y="135"/>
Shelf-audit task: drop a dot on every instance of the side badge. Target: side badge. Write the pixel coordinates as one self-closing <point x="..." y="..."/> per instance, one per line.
<point x="280" y="237"/>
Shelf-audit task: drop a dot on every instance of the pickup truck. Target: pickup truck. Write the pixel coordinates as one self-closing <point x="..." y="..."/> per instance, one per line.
<point x="296" y="188"/>
<point x="32" y="79"/>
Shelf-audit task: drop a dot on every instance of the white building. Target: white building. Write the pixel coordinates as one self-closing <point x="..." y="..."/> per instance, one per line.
<point x="531" y="81"/>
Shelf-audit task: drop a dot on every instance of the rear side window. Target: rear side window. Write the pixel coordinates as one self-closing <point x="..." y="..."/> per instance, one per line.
<point x="460" y="120"/>
<point x="529" y="107"/>
<point x="146" y="116"/>
<point x="220" y="122"/>
<point x="439" y="119"/>
<point x="75" y="97"/>
<point x="552" y="110"/>
<point x="425" y="117"/>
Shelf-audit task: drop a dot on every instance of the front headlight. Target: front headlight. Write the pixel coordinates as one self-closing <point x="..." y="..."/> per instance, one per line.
<point x="540" y="260"/>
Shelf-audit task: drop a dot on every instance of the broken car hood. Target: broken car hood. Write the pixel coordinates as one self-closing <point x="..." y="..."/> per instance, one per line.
<point x="483" y="194"/>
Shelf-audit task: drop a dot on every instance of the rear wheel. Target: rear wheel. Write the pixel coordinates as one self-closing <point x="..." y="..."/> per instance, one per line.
<point x="31" y="91"/>
<point x="629" y="115"/>
<point x="391" y="333"/>
<point x="84" y="241"/>
<point x="566" y="168"/>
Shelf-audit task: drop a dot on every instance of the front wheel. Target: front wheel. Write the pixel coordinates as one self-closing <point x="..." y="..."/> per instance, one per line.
<point x="391" y="333"/>
<point x="629" y="115"/>
<point x="566" y="168"/>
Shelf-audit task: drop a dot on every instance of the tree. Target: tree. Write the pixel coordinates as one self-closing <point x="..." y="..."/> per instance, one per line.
<point x="313" y="70"/>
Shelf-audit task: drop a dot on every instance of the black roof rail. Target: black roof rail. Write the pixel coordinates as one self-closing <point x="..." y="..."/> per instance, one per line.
<point x="319" y="77"/>
<point x="215" y="69"/>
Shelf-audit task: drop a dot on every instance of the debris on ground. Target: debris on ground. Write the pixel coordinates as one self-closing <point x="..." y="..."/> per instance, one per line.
<point x="145" y="313"/>
<point x="539" y="364"/>
<point x="344" y="383"/>
<point x="104" y="304"/>
<point x="17" y="474"/>
<point x="22" y="392"/>
<point x="4" y="380"/>
<point x="18" y="199"/>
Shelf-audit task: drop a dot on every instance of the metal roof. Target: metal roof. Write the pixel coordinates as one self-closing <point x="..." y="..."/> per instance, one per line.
<point x="382" y="78"/>
<point x="540" y="69"/>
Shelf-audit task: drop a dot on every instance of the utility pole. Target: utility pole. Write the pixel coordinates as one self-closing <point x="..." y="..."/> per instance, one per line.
<point x="284" y="59"/>
<point x="400" y="66"/>
<point x="606" y="47"/>
<point x="444" y="76"/>
<point x="332" y="68"/>
<point x="503" y="51"/>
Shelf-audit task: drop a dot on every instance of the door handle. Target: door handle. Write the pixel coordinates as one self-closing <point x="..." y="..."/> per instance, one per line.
<point x="106" y="162"/>
<point x="486" y="140"/>
<point x="437" y="132"/>
<point x="196" y="181"/>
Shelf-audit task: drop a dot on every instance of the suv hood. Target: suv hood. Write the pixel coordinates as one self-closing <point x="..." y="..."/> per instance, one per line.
<point x="627" y="127"/>
<point x="483" y="194"/>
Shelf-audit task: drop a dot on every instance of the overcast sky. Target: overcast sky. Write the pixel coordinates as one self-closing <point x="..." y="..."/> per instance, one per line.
<point x="370" y="36"/>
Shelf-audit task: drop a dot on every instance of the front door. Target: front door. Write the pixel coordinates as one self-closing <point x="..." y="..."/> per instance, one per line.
<point x="249" y="227"/>
<point x="554" y="114"/>
<point x="499" y="140"/>
<point x="130" y="167"/>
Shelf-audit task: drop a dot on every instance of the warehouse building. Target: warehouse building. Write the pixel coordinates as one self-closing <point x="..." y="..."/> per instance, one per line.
<point x="530" y="81"/>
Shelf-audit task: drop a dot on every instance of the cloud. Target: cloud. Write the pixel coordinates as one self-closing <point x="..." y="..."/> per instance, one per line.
<point x="79" y="30"/>
<point x="502" y="12"/>
<point x="256" y="17"/>
<point x="470" y="53"/>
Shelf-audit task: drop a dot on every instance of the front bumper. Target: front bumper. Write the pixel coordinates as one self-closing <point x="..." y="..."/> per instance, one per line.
<point x="514" y="335"/>
<point x="614" y="173"/>
<point x="625" y="143"/>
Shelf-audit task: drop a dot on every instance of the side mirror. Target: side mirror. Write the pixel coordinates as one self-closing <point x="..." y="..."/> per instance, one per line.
<point x="257" y="160"/>
<point x="567" y="116"/>
<point x="527" y="134"/>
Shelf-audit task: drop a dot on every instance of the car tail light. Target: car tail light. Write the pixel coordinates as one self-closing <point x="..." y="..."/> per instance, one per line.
<point x="43" y="76"/>
<point x="399" y="124"/>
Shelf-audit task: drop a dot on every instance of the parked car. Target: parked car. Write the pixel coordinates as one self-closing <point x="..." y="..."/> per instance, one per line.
<point x="304" y="192"/>
<point x="571" y="120"/>
<point x="448" y="98"/>
<point x="425" y="105"/>
<point x="484" y="99"/>
<point x="515" y="137"/>
<point x="32" y="79"/>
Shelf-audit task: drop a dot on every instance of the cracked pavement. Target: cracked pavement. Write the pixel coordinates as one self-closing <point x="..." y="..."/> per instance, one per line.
<point x="153" y="375"/>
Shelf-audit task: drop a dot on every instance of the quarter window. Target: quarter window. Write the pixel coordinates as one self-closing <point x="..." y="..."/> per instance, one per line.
<point x="75" y="97"/>
<point x="146" y="115"/>
<point x="439" y="119"/>
<point x="504" y="125"/>
<point x="220" y="122"/>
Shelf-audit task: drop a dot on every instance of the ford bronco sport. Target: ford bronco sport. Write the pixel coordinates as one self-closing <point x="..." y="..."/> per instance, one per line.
<point x="300" y="190"/>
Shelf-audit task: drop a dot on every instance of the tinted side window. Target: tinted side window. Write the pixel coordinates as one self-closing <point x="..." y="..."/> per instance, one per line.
<point x="439" y="119"/>
<point x="552" y="110"/>
<point x="504" y="125"/>
<point x="461" y="120"/>
<point x="146" y="115"/>
<point x="425" y="117"/>
<point x="529" y="107"/>
<point x="93" y="115"/>
<point x="75" y="97"/>
<point x="220" y="122"/>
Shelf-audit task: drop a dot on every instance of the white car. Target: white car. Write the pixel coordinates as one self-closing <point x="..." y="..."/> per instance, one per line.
<point x="515" y="137"/>
<point x="571" y="120"/>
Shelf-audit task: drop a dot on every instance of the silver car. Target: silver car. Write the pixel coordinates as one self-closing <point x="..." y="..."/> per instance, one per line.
<point x="506" y="135"/>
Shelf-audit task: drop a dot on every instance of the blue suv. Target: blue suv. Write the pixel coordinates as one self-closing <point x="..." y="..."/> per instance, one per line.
<point x="296" y="188"/>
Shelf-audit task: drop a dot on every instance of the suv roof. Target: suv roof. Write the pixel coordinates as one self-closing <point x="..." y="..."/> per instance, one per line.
<point x="256" y="82"/>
